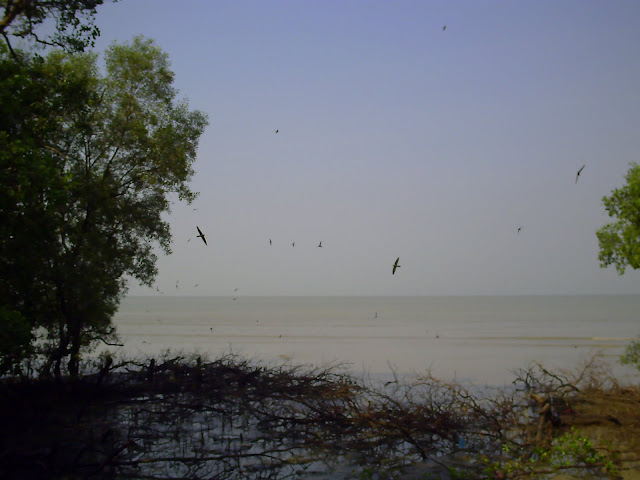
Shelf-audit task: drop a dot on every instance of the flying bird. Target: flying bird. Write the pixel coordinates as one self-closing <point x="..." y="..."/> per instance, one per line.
<point x="269" y="241"/>
<point x="444" y="28"/>
<point x="293" y="244"/>
<point x="519" y="228"/>
<point x="277" y="130"/>
<point x="320" y="245"/>
<point x="395" y="265"/>
<point x="201" y="235"/>
<point x="579" y="171"/>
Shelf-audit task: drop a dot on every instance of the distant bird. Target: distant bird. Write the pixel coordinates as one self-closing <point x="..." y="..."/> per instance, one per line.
<point x="395" y="265"/>
<point x="196" y="284"/>
<point x="201" y="235"/>
<point x="235" y="289"/>
<point x="376" y="315"/>
<point x="235" y="298"/>
<point x="579" y="171"/>
<point x="320" y="245"/>
<point x="277" y="130"/>
<point x="519" y="228"/>
<point x="444" y="28"/>
<point x="269" y="241"/>
<point x="177" y="283"/>
<point x="293" y="244"/>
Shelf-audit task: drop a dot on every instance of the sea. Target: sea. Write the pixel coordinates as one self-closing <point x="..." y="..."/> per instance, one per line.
<point x="479" y="340"/>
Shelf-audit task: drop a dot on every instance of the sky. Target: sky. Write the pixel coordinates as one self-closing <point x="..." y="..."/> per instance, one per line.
<point x="397" y="138"/>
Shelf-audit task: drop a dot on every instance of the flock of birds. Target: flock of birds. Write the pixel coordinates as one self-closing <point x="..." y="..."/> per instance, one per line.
<point x="395" y="265"/>
<point x="204" y="239"/>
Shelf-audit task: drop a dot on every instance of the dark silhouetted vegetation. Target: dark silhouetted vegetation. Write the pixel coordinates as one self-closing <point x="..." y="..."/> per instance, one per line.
<point x="189" y="417"/>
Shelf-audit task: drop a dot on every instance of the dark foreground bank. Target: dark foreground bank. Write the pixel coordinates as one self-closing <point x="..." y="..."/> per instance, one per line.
<point x="188" y="417"/>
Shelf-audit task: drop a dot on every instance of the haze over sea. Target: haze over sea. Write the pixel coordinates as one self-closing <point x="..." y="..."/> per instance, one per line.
<point x="474" y="339"/>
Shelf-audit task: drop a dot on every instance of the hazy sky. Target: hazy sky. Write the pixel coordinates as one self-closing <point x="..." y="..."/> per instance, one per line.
<point x="397" y="139"/>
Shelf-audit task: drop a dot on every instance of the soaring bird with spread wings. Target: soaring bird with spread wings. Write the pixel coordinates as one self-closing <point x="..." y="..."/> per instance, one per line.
<point x="201" y="235"/>
<point x="579" y="171"/>
<point x="395" y="265"/>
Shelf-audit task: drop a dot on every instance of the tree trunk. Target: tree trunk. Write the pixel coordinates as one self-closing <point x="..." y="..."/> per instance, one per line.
<point x="74" y="354"/>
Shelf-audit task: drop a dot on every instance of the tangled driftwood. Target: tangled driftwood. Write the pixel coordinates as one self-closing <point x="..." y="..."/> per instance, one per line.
<point x="188" y="417"/>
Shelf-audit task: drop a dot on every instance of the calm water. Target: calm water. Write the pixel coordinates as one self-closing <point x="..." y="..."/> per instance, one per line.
<point x="477" y="339"/>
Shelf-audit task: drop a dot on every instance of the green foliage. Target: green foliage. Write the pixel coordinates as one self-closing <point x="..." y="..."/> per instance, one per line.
<point x="620" y="241"/>
<point x="87" y="163"/>
<point x="15" y="340"/>
<point x="570" y="452"/>
<point x="74" y="22"/>
<point x="632" y="354"/>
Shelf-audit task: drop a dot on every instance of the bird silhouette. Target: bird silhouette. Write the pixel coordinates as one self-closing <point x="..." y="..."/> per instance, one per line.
<point x="277" y="130"/>
<point x="579" y="171"/>
<point x="395" y="265"/>
<point x="519" y="228"/>
<point x="444" y="28"/>
<point x="320" y="245"/>
<point x="293" y="244"/>
<point x="269" y="241"/>
<point x="201" y="235"/>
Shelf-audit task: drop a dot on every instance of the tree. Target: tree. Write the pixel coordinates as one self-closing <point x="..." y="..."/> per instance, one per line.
<point x="15" y="340"/>
<point x="620" y="241"/>
<point x="74" y="22"/>
<point x="89" y="162"/>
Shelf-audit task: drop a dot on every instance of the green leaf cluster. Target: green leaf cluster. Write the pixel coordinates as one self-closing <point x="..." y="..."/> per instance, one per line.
<point x="74" y="28"/>
<point x="571" y="452"/>
<point x="632" y="354"/>
<point x="620" y="240"/>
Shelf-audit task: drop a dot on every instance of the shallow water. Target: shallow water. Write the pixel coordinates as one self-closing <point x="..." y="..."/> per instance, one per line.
<point x="472" y="339"/>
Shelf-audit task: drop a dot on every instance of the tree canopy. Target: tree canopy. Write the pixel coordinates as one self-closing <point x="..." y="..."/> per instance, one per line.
<point x="74" y="22"/>
<point x="87" y="162"/>
<point x="620" y="240"/>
